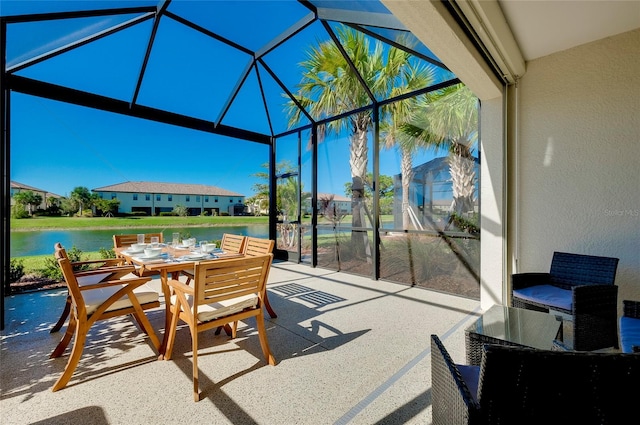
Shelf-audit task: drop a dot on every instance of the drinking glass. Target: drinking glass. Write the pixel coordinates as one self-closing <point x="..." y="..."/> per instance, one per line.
<point x="140" y="237"/>
<point x="155" y="241"/>
<point x="203" y="247"/>
<point x="171" y="250"/>
<point x="175" y="238"/>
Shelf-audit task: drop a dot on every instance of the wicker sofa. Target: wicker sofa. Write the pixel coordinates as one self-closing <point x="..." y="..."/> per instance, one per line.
<point x="519" y="385"/>
<point x="630" y="327"/>
<point x="581" y="286"/>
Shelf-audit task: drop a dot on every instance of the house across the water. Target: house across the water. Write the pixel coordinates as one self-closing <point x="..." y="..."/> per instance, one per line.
<point x="153" y="198"/>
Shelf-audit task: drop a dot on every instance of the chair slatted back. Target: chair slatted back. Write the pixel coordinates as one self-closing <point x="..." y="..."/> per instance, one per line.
<point x="72" y="284"/>
<point x="258" y="246"/>
<point x="221" y="280"/>
<point x="233" y="243"/>
<point x="129" y="239"/>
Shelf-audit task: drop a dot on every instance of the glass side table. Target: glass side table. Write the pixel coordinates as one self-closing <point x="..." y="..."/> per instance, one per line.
<point x="511" y="326"/>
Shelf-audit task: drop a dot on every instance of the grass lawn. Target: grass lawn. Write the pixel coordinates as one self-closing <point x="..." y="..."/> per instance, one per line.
<point x="42" y="223"/>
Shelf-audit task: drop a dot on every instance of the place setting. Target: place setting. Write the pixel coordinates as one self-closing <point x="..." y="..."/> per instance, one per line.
<point x="151" y="255"/>
<point x="204" y="251"/>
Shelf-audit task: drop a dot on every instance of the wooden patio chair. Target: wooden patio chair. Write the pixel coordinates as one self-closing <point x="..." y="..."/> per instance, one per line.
<point x="230" y="243"/>
<point x="120" y="241"/>
<point x="253" y="247"/>
<point x="258" y="246"/>
<point x="233" y="243"/>
<point x="131" y="238"/>
<point x="224" y="291"/>
<point x="100" y="301"/>
<point x="101" y="270"/>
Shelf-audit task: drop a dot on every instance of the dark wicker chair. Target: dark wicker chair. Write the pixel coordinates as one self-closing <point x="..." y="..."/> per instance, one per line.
<point x="517" y="385"/>
<point x="585" y="286"/>
<point x="630" y="327"/>
<point x="453" y="398"/>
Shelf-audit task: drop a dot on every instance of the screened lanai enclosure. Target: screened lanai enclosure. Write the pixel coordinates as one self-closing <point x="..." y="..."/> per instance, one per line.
<point x="369" y="144"/>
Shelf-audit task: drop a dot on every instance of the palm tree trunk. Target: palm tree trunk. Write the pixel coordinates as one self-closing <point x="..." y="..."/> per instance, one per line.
<point x="462" y="170"/>
<point x="406" y="167"/>
<point x="358" y="162"/>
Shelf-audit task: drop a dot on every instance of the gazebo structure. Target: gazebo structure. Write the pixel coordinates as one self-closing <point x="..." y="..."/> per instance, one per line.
<point x="207" y="66"/>
<point x="261" y="57"/>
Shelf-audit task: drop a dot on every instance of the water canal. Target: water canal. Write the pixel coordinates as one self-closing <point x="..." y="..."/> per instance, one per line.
<point x="41" y="242"/>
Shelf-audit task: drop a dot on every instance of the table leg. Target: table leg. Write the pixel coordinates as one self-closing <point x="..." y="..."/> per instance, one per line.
<point x="164" y="276"/>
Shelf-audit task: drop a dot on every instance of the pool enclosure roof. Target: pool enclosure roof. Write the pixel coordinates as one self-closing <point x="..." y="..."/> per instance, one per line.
<point x="225" y="67"/>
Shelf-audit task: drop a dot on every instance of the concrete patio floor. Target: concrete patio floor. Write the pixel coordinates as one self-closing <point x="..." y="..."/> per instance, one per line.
<point x="349" y="350"/>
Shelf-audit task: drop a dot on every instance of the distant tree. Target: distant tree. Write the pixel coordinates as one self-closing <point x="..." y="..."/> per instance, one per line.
<point x="81" y="196"/>
<point x="385" y="192"/>
<point x="385" y="186"/>
<point x="261" y="189"/>
<point x="53" y="205"/>
<point x="106" y="206"/>
<point x="28" y="199"/>
<point x="68" y="206"/>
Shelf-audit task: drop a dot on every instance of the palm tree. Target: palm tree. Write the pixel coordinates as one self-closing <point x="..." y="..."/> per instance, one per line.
<point x="28" y="198"/>
<point x="329" y="87"/>
<point x="403" y="77"/>
<point x="81" y="196"/>
<point x="451" y="119"/>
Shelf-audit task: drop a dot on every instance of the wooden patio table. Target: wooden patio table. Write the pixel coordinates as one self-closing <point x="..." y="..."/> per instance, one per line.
<point x="165" y="267"/>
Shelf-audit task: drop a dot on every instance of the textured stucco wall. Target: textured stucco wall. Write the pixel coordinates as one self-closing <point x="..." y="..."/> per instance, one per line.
<point x="578" y="154"/>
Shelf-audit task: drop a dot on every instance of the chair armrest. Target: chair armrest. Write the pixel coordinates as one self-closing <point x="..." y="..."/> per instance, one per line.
<point x="524" y="280"/>
<point x="178" y="286"/>
<point x="451" y="399"/>
<point x="595" y="299"/>
<point x="135" y="282"/>
<point x="102" y="270"/>
<point x="631" y="308"/>
<point x="595" y="317"/>
<point x="106" y="262"/>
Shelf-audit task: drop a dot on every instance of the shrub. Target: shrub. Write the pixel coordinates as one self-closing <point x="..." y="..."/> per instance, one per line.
<point x="107" y="253"/>
<point x="52" y="269"/>
<point x="181" y="210"/>
<point x="16" y="270"/>
<point x="17" y="211"/>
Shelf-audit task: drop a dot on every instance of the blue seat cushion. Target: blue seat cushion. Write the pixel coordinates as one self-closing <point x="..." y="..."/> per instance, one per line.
<point x="471" y="376"/>
<point x="629" y="333"/>
<point x="547" y="295"/>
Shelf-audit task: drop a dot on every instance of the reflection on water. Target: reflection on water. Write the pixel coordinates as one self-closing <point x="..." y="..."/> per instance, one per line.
<point x="41" y="242"/>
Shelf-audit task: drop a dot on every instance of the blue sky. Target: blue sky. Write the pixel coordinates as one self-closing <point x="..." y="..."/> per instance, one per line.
<point x="57" y="146"/>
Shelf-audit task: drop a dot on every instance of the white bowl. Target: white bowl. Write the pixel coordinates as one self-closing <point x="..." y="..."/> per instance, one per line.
<point x="208" y="247"/>
<point x="152" y="252"/>
<point x="139" y="246"/>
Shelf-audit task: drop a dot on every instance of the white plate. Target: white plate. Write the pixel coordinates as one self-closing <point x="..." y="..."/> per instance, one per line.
<point x="149" y="257"/>
<point x="195" y="256"/>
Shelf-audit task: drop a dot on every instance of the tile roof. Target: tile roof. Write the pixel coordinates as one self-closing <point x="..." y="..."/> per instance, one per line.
<point x="169" y="188"/>
<point x="22" y="186"/>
